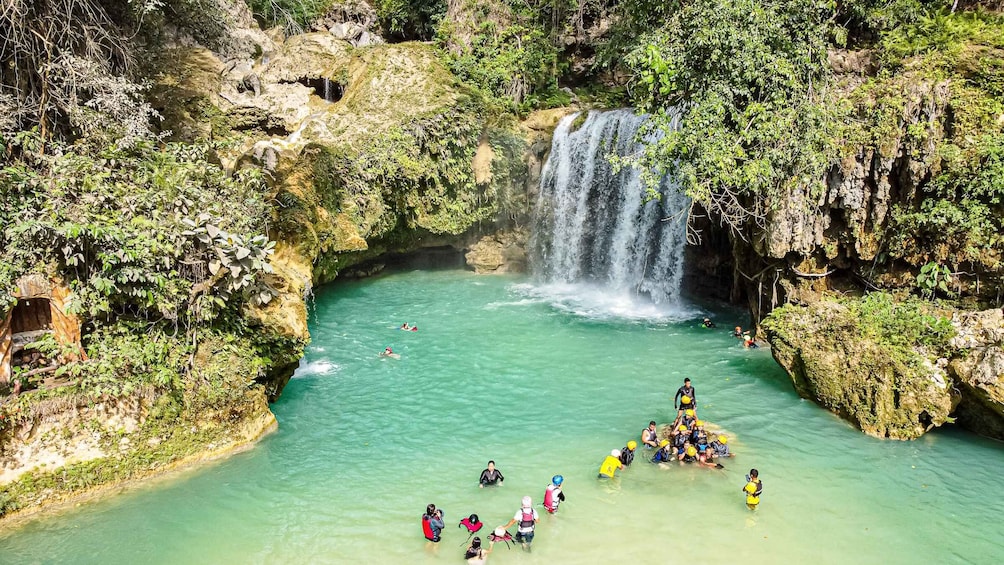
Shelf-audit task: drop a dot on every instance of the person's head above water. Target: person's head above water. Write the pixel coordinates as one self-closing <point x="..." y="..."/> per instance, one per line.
<point x="632" y="445"/>
<point x="615" y="452"/>
<point x="491" y="465"/>
<point x="652" y="424"/>
<point x="754" y="473"/>
<point x="687" y="381"/>
<point x="388" y="350"/>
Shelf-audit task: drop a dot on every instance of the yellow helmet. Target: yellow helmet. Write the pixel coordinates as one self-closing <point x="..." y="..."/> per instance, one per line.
<point x="632" y="445"/>
<point x="681" y="428"/>
<point x="664" y="443"/>
<point x="700" y="423"/>
<point x="689" y="412"/>
<point x="691" y="451"/>
<point x="723" y="439"/>
<point x="685" y="399"/>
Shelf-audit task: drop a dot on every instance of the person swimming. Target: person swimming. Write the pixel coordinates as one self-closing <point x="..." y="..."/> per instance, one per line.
<point x="405" y="327"/>
<point x="490" y="476"/>
<point x="708" y="323"/>
<point x="738" y="332"/>
<point x="388" y="352"/>
<point x="475" y="554"/>
<point x="748" y="341"/>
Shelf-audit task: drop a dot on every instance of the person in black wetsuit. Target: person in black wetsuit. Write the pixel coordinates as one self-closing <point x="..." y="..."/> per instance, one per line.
<point x="686" y="398"/>
<point x="491" y="476"/>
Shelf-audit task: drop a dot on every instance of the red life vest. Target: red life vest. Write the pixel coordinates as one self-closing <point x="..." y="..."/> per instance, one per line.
<point x="471" y="527"/>
<point x="427" y="528"/>
<point x="550" y="501"/>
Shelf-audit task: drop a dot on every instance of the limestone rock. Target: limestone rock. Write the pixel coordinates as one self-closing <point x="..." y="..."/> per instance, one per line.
<point x="978" y="369"/>
<point x="830" y="362"/>
<point x="503" y="252"/>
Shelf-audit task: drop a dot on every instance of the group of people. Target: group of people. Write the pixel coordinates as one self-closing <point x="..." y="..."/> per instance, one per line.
<point x="525" y="518"/>
<point x="388" y="351"/>
<point x="749" y="342"/>
<point x="687" y="442"/>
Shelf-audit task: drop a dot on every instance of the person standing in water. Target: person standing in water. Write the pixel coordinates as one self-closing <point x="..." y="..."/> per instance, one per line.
<point x="477" y="555"/>
<point x="753" y="489"/>
<point x="527" y="518"/>
<point x="432" y="523"/>
<point x="650" y="437"/>
<point x="553" y="495"/>
<point x="688" y="401"/>
<point x="611" y="464"/>
<point x="627" y="452"/>
<point x="490" y="476"/>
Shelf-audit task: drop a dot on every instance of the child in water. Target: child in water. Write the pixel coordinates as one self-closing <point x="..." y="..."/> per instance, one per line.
<point x="475" y="554"/>
<point x="753" y="489"/>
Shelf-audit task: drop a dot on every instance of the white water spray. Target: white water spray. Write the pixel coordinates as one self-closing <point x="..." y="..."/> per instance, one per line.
<point x="594" y="224"/>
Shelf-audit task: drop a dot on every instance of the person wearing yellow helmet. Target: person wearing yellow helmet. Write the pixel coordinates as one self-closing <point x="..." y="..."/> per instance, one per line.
<point x="689" y="418"/>
<point x="627" y="452"/>
<point x="611" y="464"/>
<point x="721" y="446"/>
<point x="687" y="398"/>
<point x="664" y="454"/>
<point x="680" y="436"/>
<point x="753" y="489"/>
<point x="689" y="454"/>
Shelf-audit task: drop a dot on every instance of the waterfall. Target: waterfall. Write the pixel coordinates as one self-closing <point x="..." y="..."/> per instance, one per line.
<point x="593" y="224"/>
<point x="328" y="94"/>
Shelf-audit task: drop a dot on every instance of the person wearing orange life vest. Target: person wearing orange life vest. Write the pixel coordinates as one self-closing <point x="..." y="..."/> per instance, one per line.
<point x="553" y="495"/>
<point x="527" y="518"/>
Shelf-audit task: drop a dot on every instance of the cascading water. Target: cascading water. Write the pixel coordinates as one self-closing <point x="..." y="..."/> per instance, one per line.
<point x="594" y="224"/>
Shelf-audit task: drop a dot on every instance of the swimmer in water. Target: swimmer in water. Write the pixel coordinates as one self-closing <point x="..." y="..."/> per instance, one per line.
<point x="477" y="555"/>
<point x="490" y="476"/>
<point x="388" y="352"/>
<point x="708" y="323"/>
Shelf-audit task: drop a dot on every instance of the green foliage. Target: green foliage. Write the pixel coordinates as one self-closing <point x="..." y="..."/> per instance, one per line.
<point x="945" y="32"/>
<point x="293" y="15"/>
<point x="510" y="55"/>
<point x="113" y="221"/>
<point x="410" y="19"/>
<point x="743" y="80"/>
<point x="932" y="278"/>
<point x="900" y="323"/>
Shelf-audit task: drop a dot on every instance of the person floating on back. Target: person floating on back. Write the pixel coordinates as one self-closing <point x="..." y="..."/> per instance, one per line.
<point x="753" y="489"/>
<point x="627" y="452"/>
<point x="527" y="518"/>
<point x="432" y="523"/>
<point x="650" y="437"/>
<point x="490" y="476"/>
<point x="553" y="495"/>
<point x="611" y="464"/>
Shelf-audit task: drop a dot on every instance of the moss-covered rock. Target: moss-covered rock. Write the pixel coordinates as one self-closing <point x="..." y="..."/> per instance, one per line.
<point x="854" y="360"/>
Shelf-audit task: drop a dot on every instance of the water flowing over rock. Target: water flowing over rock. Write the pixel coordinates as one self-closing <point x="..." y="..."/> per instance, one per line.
<point x="596" y="223"/>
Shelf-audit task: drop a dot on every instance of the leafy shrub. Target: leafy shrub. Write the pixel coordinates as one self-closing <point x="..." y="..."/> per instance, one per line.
<point x="293" y="15"/>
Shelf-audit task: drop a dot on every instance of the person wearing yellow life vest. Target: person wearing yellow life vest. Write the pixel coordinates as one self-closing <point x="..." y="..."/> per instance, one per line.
<point x="753" y="489"/>
<point x="611" y="464"/>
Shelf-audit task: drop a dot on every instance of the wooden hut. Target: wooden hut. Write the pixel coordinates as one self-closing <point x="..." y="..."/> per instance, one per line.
<point x="39" y="309"/>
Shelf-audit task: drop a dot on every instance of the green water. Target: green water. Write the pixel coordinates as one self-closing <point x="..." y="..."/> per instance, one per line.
<point x="542" y="385"/>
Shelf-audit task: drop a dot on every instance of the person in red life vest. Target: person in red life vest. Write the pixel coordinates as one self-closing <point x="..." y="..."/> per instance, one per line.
<point x="553" y="495"/>
<point x="527" y="518"/>
<point x="432" y="523"/>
